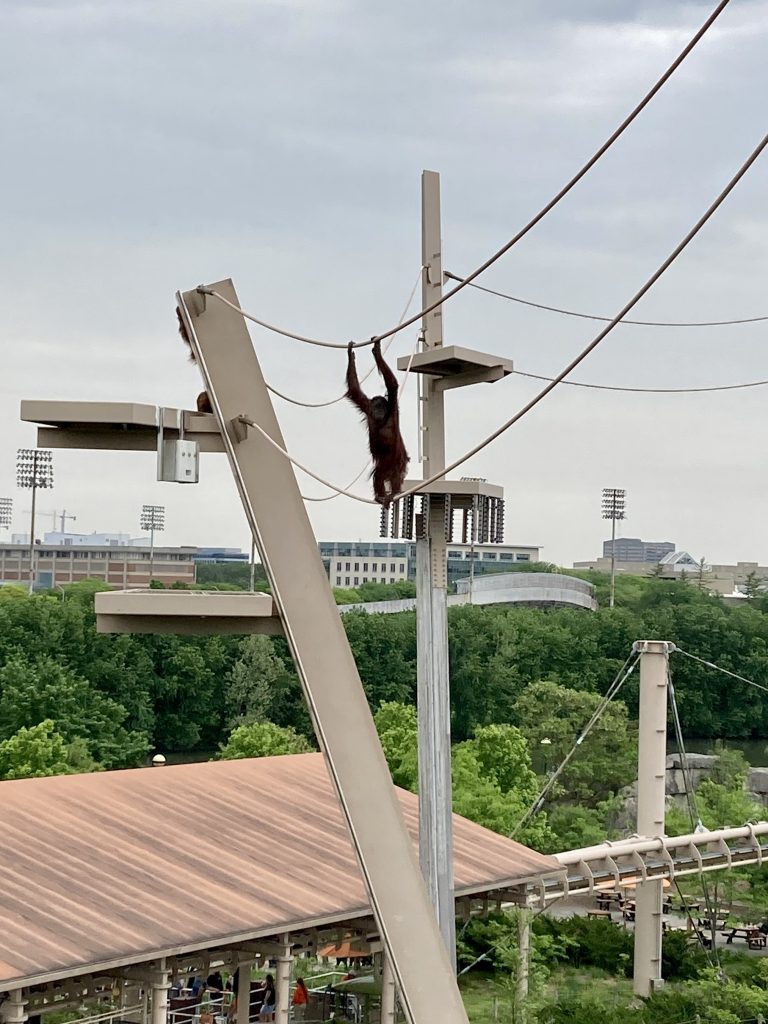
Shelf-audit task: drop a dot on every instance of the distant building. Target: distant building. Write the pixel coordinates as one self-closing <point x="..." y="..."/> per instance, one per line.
<point x="115" y="558"/>
<point x="123" y="566"/>
<point x="80" y="540"/>
<point x="632" y="549"/>
<point x="351" y="563"/>
<point x="221" y="556"/>
<point x="716" y="578"/>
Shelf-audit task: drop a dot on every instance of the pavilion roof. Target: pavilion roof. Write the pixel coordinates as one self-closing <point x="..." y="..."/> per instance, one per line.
<point x="112" y="868"/>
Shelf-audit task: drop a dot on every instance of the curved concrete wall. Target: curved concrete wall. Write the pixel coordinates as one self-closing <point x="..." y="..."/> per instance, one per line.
<point x="531" y="588"/>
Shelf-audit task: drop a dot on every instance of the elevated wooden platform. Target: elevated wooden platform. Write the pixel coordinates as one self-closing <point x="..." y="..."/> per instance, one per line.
<point x="119" y="426"/>
<point x="187" y="612"/>
<point x="457" y="367"/>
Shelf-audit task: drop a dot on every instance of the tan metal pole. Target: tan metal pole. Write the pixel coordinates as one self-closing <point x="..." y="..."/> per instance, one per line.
<point x="32" y="526"/>
<point x="243" y="993"/>
<point x="651" y="791"/>
<point x="433" y="684"/>
<point x="161" y="983"/>
<point x="283" y="982"/>
<point x="388" y="1012"/>
<point x="312" y="625"/>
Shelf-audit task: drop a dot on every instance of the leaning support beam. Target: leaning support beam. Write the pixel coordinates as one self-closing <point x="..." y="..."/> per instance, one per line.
<point x="337" y="703"/>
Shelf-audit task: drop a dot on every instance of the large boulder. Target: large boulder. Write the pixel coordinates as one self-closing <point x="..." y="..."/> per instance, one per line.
<point x="757" y="784"/>
<point x="700" y="767"/>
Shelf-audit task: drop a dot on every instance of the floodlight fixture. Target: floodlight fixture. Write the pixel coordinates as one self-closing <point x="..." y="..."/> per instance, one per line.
<point x="34" y="468"/>
<point x="614" y="503"/>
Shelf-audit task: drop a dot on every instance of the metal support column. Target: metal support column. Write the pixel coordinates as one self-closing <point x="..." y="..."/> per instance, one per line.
<point x="161" y="983"/>
<point x="313" y="628"/>
<point x="243" y="994"/>
<point x="524" y="952"/>
<point x="13" y="1010"/>
<point x="435" y="798"/>
<point x="651" y="790"/>
<point x="388" y="1013"/>
<point x="283" y="982"/>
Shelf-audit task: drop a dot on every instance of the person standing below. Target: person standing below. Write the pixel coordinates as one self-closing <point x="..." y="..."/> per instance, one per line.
<point x="267" y="1011"/>
<point x="300" y="1000"/>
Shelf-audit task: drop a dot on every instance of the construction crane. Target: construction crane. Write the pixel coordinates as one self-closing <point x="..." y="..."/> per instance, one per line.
<point x="61" y="516"/>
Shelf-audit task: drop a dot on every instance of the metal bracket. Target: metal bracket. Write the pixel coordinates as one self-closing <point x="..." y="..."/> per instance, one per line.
<point x="239" y="427"/>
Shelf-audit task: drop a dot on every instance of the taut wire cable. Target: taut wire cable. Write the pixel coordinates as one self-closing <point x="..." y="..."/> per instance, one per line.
<point x="719" y="668"/>
<point x="647" y="391"/>
<point x="583" y="170"/>
<point x="609" y="327"/>
<point x="621" y="677"/>
<point x="646" y="287"/>
<point x="606" y="319"/>
<point x="299" y="465"/>
<point x="401" y="389"/>
<point x="363" y="379"/>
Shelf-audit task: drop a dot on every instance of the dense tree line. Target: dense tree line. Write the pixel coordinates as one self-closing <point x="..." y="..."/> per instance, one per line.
<point x="120" y="696"/>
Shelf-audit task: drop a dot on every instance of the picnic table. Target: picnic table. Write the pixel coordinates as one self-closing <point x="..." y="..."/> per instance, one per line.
<point x="605" y="899"/>
<point x="754" y="938"/>
<point x="710" y="925"/>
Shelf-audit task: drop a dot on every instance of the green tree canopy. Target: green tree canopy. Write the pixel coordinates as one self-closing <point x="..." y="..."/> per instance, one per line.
<point x="607" y="758"/>
<point x="494" y="784"/>
<point x="263" y="739"/>
<point x="397" y="727"/>
<point x="250" y="686"/>
<point x="41" y="750"/>
<point x="32" y="692"/>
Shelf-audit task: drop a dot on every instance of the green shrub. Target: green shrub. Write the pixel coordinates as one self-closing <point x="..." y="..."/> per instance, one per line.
<point x="590" y="942"/>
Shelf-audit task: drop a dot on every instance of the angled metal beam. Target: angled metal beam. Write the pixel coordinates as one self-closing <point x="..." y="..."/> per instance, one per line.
<point x="332" y="687"/>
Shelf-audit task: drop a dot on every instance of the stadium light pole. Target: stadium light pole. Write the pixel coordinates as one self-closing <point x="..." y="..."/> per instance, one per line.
<point x="614" y="499"/>
<point x="152" y="518"/>
<point x="34" y="468"/>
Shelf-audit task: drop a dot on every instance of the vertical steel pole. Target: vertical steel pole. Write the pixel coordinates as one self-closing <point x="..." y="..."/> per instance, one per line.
<point x="283" y="982"/>
<point x="613" y="558"/>
<point x="651" y="790"/>
<point x="524" y="952"/>
<point x="433" y="685"/>
<point x="13" y="1010"/>
<point x="253" y="565"/>
<point x="32" y="526"/>
<point x="161" y="983"/>
<point x="152" y="549"/>
<point x="243" y="993"/>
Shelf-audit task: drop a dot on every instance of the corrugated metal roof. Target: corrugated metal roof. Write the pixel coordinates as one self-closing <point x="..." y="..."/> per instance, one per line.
<point x="120" y="866"/>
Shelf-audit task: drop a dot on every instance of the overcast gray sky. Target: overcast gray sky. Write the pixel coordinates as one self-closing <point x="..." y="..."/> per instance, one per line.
<point x="149" y="146"/>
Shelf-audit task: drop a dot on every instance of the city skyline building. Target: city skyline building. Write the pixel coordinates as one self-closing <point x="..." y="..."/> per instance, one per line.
<point x="633" y="549"/>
